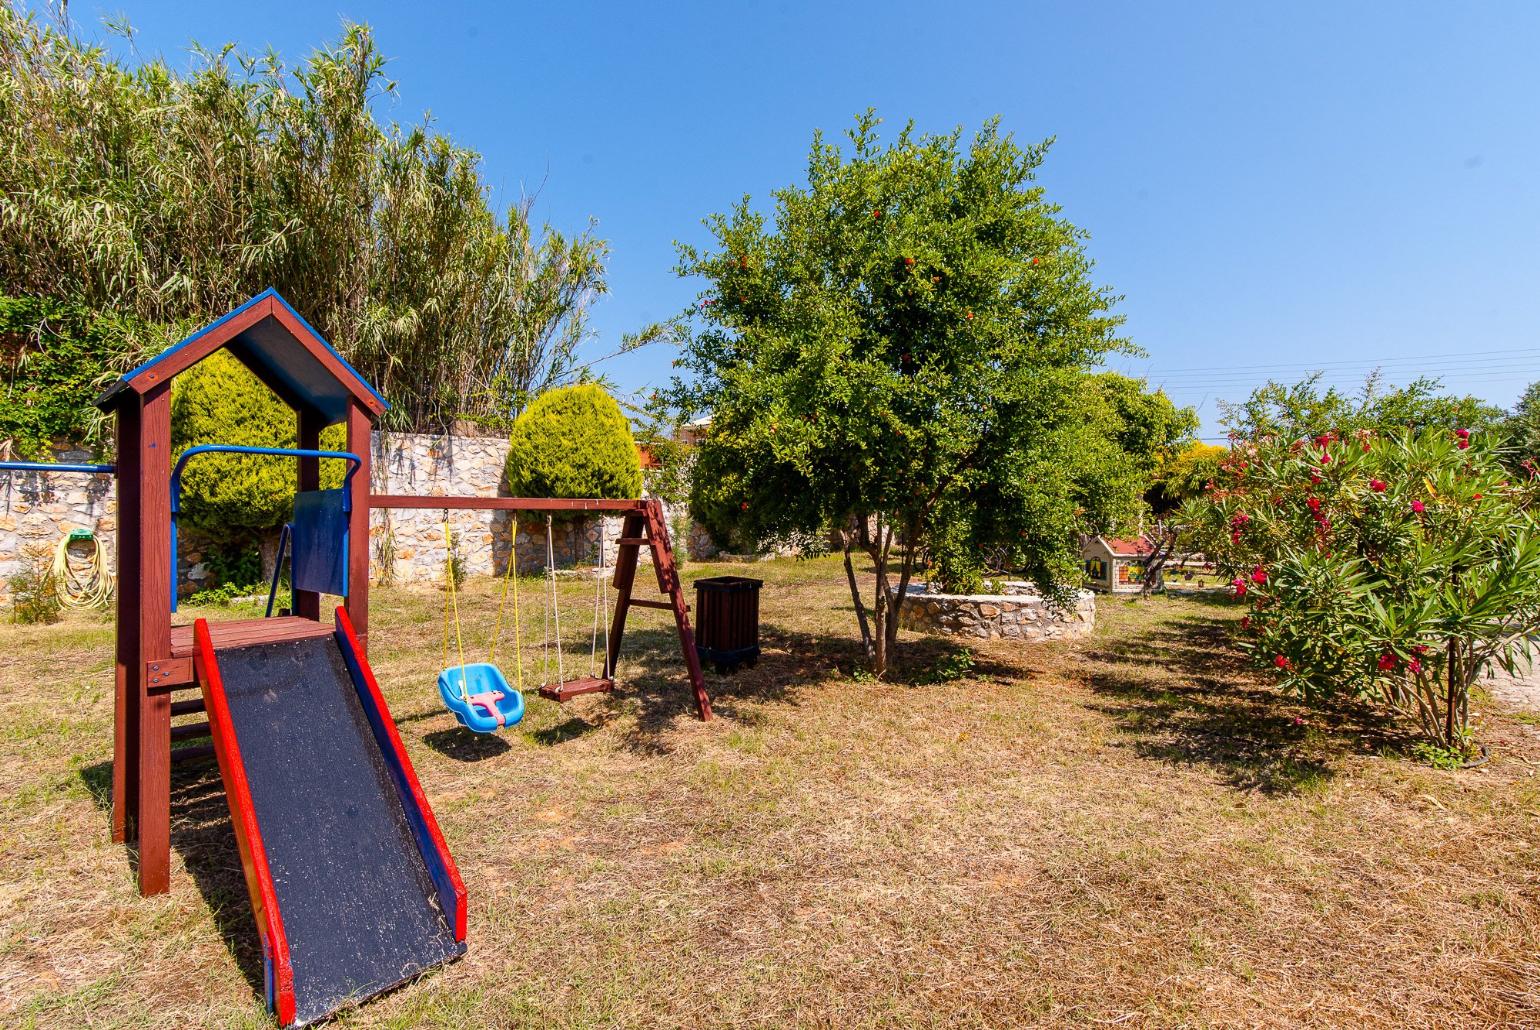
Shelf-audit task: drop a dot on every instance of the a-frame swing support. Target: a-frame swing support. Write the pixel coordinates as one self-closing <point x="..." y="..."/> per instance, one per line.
<point x="643" y="525"/>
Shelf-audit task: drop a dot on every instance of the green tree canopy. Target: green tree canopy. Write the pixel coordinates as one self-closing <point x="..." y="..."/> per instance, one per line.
<point x="900" y="347"/>
<point x="139" y="189"/>
<point x="1522" y="429"/>
<point x="1305" y="410"/>
<point x="574" y="441"/>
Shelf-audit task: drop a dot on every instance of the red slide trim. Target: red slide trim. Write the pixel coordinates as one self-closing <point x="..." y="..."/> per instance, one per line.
<point x="243" y="816"/>
<point x="345" y="625"/>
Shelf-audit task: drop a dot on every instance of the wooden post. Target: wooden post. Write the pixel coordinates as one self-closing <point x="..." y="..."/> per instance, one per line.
<point x="307" y="603"/>
<point x="625" y="578"/>
<point x="130" y="657"/>
<point x="360" y="442"/>
<point x="153" y="544"/>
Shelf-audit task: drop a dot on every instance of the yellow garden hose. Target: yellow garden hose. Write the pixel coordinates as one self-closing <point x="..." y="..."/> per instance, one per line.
<point x="81" y="582"/>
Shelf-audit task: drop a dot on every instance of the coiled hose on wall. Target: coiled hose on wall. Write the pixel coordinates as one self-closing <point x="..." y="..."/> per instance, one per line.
<point x="82" y="581"/>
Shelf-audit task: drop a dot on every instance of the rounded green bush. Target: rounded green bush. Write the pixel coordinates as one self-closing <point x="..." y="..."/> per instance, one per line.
<point x="573" y="442"/>
<point x="238" y="496"/>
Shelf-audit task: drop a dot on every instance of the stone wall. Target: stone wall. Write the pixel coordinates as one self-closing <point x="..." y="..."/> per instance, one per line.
<point x="37" y="508"/>
<point x="1018" y="613"/>
<point x="405" y="545"/>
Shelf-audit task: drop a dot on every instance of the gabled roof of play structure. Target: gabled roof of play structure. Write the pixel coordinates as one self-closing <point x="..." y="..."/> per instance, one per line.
<point x="283" y="350"/>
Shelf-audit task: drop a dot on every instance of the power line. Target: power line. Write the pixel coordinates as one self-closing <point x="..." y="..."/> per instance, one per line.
<point x="1391" y="359"/>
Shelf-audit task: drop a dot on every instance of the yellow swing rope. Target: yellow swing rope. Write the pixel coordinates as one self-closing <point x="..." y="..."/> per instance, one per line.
<point x="502" y="605"/>
<point x="449" y="577"/>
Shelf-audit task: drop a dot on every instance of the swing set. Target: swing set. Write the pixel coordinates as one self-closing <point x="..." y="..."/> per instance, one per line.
<point x="478" y="694"/>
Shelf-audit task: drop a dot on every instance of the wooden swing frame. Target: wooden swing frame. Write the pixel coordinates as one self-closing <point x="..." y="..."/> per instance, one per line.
<point x="643" y="524"/>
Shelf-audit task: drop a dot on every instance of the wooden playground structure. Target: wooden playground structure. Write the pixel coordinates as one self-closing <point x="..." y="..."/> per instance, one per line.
<point x="161" y="667"/>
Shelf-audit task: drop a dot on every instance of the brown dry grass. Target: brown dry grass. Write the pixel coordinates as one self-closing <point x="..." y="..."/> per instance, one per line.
<point x="1131" y="830"/>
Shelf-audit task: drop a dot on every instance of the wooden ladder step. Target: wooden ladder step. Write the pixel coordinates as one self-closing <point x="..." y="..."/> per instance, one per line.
<point x="640" y="541"/>
<point x="192" y="731"/>
<point x="182" y="755"/>
<point x="567" y="689"/>
<point x="187" y="707"/>
<point x="662" y="606"/>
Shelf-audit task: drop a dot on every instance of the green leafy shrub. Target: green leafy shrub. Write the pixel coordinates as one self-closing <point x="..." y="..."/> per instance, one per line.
<point x="1397" y="568"/>
<point x="573" y="442"/>
<point x="238" y="497"/>
<point x="34" y="592"/>
<point x="56" y="356"/>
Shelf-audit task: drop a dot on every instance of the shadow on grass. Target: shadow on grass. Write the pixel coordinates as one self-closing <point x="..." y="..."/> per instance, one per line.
<point x="464" y="746"/>
<point x="567" y="729"/>
<point x="655" y="683"/>
<point x="1182" y="692"/>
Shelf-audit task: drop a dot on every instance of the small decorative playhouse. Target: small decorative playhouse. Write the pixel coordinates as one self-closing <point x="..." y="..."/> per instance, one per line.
<point x="1115" y="565"/>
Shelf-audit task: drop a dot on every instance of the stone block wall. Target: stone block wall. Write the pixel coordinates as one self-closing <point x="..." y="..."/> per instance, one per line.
<point x="37" y="508"/>
<point x="405" y="545"/>
<point x="1018" y="613"/>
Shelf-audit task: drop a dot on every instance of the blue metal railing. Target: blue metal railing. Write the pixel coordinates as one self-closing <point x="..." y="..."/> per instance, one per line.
<point x="353" y="461"/>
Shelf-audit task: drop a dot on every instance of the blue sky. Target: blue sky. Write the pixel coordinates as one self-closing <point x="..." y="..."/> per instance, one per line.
<point x="1272" y="189"/>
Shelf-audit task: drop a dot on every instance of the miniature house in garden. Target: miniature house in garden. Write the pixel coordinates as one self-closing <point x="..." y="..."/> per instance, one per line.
<point x="1114" y="564"/>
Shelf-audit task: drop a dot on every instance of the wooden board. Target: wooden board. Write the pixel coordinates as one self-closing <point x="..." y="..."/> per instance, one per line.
<point x="568" y="689"/>
<point x="245" y="632"/>
<point x="431" y="502"/>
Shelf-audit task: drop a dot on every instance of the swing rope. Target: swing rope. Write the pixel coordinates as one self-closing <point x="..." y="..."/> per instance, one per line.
<point x="454" y="605"/>
<point x="599" y="586"/>
<point x="502" y="606"/>
<point x="550" y="569"/>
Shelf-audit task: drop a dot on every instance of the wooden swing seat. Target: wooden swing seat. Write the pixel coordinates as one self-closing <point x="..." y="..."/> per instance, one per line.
<point x="568" y="689"/>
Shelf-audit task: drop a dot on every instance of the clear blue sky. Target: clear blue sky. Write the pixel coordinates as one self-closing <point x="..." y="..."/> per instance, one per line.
<point x="1289" y="185"/>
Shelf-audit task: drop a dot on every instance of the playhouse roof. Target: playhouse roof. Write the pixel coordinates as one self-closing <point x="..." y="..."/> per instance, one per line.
<point x="269" y="337"/>
<point x="1127" y="548"/>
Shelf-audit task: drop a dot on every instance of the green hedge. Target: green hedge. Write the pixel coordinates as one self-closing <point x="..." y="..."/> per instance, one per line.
<point x="234" y="496"/>
<point x="574" y="442"/>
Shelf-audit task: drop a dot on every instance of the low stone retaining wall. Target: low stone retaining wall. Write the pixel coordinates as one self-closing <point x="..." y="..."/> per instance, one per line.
<point x="1018" y="613"/>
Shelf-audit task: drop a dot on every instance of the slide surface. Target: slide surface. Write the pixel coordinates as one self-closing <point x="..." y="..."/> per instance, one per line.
<point x="352" y="887"/>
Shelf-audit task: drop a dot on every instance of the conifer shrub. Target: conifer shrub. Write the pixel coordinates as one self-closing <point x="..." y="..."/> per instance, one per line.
<point x="574" y="442"/>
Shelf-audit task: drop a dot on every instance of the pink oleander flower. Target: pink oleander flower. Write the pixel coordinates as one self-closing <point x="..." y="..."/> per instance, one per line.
<point x="1419" y="507"/>
<point x="1313" y="503"/>
<point x="1315" y="480"/>
<point x="1387" y="662"/>
<point x="1415" y="666"/>
<point x="1240" y="586"/>
<point x="1280" y="662"/>
<point x="1377" y="485"/>
<point x="1259" y="575"/>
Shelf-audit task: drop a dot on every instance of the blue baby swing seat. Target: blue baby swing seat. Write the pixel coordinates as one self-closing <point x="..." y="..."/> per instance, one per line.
<point x="480" y="698"/>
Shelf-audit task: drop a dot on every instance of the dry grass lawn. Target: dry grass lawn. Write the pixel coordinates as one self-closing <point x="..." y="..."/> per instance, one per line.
<point x="1130" y="830"/>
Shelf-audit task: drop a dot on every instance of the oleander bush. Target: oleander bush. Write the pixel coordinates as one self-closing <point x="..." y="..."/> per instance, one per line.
<point x="1395" y="567"/>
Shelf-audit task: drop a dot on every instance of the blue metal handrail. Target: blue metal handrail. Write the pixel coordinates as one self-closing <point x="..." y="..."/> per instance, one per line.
<point x="49" y="466"/>
<point x="354" y="461"/>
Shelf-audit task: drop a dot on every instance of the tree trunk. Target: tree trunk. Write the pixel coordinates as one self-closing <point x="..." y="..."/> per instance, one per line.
<point x="867" y="647"/>
<point x="1450" y="705"/>
<point x="1164" y="540"/>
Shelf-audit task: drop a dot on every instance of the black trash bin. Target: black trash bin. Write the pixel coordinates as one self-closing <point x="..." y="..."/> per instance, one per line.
<point x="727" y="621"/>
